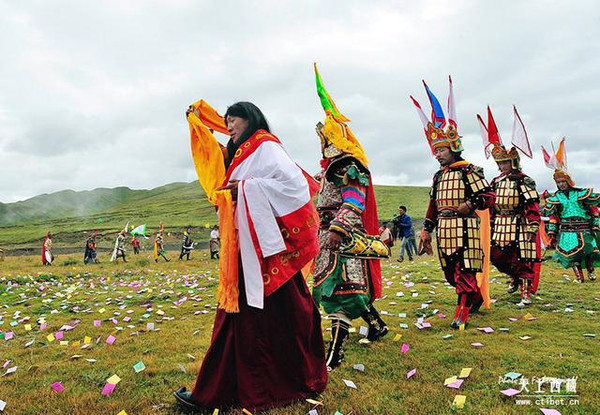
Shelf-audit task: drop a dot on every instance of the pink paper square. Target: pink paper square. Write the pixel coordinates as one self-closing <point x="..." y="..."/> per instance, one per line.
<point x="97" y="323"/>
<point x="456" y="384"/>
<point x="108" y="389"/>
<point x="546" y="411"/>
<point x="111" y="339"/>
<point x="58" y="387"/>
<point x="59" y="335"/>
<point x="9" y="335"/>
<point x="43" y="326"/>
<point x="411" y="373"/>
<point x="405" y="348"/>
<point x="510" y="392"/>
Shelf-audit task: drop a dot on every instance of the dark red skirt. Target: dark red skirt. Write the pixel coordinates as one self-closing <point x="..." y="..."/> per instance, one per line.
<point x="261" y="359"/>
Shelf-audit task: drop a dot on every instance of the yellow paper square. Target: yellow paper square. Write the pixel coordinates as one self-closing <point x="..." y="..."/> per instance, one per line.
<point x="216" y="411"/>
<point x="64" y="343"/>
<point x="450" y="380"/>
<point x="465" y="372"/>
<point x="50" y="337"/>
<point x="459" y="401"/>
<point x="27" y="327"/>
<point x="122" y="412"/>
<point x="398" y="337"/>
<point x="87" y="340"/>
<point x="113" y="380"/>
<point x="76" y="343"/>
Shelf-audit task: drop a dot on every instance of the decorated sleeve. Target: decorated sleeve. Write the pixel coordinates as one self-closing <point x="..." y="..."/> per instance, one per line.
<point x="551" y="211"/>
<point x="590" y="198"/>
<point x="431" y="215"/>
<point x="353" y="203"/>
<point x="481" y="194"/>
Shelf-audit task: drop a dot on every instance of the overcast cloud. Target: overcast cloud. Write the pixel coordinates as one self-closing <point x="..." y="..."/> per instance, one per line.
<point x="93" y="94"/>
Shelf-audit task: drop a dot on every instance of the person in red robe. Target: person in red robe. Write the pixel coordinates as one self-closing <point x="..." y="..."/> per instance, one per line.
<point x="267" y="348"/>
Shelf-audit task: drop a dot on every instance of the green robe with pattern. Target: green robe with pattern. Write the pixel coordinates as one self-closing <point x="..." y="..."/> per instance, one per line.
<point x="574" y="223"/>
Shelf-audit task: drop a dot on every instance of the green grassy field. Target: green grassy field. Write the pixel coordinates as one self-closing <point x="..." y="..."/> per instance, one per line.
<point x="73" y="216"/>
<point x="179" y="298"/>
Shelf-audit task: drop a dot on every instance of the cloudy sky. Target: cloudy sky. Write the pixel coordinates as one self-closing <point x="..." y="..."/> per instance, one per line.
<point x="93" y="94"/>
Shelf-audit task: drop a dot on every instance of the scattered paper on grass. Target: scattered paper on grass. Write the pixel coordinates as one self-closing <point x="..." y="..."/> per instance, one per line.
<point x="447" y="336"/>
<point x="465" y="372"/>
<point x="450" y="380"/>
<point x="411" y="373"/>
<point x="546" y="411"/>
<point x="2" y="405"/>
<point x="110" y="339"/>
<point x="114" y="379"/>
<point x="459" y="401"/>
<point x="139" y="366"/>
<point x="513" y="375"/>
<point x="57" y="387"/>
<point x="360" y="367"/>
<point x="524" y="337"/>
<point x="97" y="323"/>
<point x="363" y="331"/>
<point x="350" y="384"/>
<point x="108" y="389"/>
<point x="486" y="329"/>
<point x="122" y="412"/>
<point x="405" y="348"/>
<point x="455" y="385"/>
<point x="477" y="344"/>
<point x="397" y="337"/>
<point x="313" y="402"/>
<point x="510" y="392"/>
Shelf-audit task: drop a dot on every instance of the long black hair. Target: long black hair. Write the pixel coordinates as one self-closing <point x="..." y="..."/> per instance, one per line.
<point x="256" y="121"/>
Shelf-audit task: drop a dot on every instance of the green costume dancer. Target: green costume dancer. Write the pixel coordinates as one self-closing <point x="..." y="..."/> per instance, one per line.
<point x="573" y="224"/>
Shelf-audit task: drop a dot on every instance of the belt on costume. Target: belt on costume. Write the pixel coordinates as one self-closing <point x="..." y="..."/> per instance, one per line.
<point x="504" y="212"/>
<point x="575" y="226"/>
<point x="454" y="214"/>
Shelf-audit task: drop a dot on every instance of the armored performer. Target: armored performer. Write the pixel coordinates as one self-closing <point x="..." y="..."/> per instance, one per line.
<point x="458" y="207"/>
<point x="574" y="225"/>
<point x="515" y="217"/>
<point x="347" y="274"/>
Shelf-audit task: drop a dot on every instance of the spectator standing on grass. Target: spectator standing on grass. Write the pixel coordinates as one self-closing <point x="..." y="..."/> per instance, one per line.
<point x="215" y="242"/>
<point x="386" y="235"/>
<point x="47" y="257"/>
<point x="406" y="234"/>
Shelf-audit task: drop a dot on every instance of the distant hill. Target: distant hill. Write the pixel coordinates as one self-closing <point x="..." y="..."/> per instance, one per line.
<point x="71" y="216"/>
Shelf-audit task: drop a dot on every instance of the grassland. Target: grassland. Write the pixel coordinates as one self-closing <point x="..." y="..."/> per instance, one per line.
<point x="179" y="298"/>
<point x="72" y="216"/>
